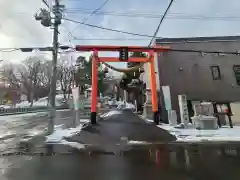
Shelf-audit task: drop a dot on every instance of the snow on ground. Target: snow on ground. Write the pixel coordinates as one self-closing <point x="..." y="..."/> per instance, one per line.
<point x="121" y="104"/>
<point x="137" y="142"/>
<point x="57" y="137"/>
<point x="9" y="125"/>
<point x="194" y="135"/>
<point x="17" y="116"/>
<point x="60" y="133"/>
<point x="5" y="106"/>
<point x="129" y="106"/>
<point x="124" y="105"/>
<point x="8" y="134"/>
<point x="110" y="113"/>
<point x="40" y="102"/>
<point x="39" y="130"/>
<point x="72" y="144"/>
<point x="23" y="104"/>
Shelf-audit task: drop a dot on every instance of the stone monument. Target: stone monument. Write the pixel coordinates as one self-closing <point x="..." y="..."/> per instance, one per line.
<point x="147" y="108"/>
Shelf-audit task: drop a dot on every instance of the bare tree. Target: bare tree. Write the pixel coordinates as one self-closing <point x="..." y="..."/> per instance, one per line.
<point x="11" y="80"/>
<point x="31" y="77"/>
<point x="10" y="75"/>
<point x="65" y="77"/>
<point x="30" y="73"/>
<point x="45" y="75"/>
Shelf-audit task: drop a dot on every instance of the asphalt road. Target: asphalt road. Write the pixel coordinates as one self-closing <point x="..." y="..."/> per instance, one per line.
<point x="139" y="165"/>
<point x="13" y="128"/>
<point x="117" y="126"/>
<point x="75" y="165"/>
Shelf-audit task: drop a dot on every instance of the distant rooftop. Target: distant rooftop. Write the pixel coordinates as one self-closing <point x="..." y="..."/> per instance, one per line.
<point x="197" y="39"/>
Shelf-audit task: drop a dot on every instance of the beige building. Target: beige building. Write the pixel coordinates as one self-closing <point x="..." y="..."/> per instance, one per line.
<point x="201" y="76"/>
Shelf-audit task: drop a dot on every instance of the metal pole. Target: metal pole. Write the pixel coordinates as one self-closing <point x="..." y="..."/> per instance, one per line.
<point x="54" y="75"/>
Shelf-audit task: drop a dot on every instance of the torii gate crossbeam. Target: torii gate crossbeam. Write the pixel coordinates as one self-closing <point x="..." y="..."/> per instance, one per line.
<point x="96" y="60"/>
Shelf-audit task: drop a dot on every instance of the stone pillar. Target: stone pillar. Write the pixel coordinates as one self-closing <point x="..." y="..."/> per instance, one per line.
<point x="125" y="94"/>
<point x="147" y="108"/>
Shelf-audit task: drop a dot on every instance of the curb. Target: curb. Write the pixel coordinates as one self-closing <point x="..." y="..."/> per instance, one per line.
<point x="17" y="113"/>
<point x="27" y="112"/>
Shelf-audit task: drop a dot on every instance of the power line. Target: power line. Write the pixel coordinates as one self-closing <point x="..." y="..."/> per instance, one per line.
<point x="96" y="10"/>
<point x="152" y="15"/>
<point x="110" y="39"/>
<point x="184" y="17"/>
<point x="69" y="33"/>
<point x="26" y="49"/>
<point x="8" y="50"/>
<point x="160" y="23"/>
<point x="86" y="19"/>
<point x="71" y="49"/>
<point x="203" y="51"/>
<point x="174" y="16"/>
<point x="45" y="2"/>
<point x="108" y="29"/>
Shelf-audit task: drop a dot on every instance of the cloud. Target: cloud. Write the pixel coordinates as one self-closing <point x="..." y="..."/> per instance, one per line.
<point x="171" y="27"/>
<point x="18" y="28"/>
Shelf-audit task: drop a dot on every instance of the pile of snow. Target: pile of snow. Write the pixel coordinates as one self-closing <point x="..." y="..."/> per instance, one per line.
<point x="138" y="142"/>
<point x="23" y="104"/>
<point x="60" y="133"/>
<point x="40" y="102"/>
<point x="14" y="117"/>
<point x="130" y="106"/>
<point x="125" y="105"/>
<point x="57" y="137"/>
<point x="5" y="106"/>
<point x="110" y="113"/>
<point x="111" y="103"/>
<point x="194" y="135"/>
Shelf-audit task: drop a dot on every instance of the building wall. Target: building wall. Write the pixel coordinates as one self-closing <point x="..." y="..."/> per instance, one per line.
<point x="190" y="73"/>
<point x="145" y="76"/>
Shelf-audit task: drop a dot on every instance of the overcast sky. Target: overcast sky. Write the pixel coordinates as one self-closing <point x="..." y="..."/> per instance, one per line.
<point x="18" y="27"/>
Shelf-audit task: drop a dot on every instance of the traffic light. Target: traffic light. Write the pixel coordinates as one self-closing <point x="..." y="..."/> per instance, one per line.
<point x="123" y="54"/>
<point x="45" y="17"/>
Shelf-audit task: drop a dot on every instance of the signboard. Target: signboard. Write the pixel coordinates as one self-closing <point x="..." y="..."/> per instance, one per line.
<point x="236" y="69"/>
<point x="224" y="108"/>
<point x="167" y="97"/>
<point x="123" y="54"/>
<point x="75" y="93"/>
<point x="182" y="99"/>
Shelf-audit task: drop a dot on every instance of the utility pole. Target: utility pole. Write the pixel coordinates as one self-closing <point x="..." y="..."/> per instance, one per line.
<point x="54" y="68"/>
<point x="45" y="18"/>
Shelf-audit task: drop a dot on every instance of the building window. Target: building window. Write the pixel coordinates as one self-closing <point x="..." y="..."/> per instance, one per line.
<point x="216" y="72"/>
<point x="236" y="69"/>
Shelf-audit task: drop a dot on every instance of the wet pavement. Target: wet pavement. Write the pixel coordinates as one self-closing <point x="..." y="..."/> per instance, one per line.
<point x="164" y="161"/>
<point x="134" y="164"/>
<point x="13" y="128"/>
<point x="117" y="128"/>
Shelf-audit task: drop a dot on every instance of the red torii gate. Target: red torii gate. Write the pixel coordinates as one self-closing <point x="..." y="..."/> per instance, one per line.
<point x="123" y="58"/>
